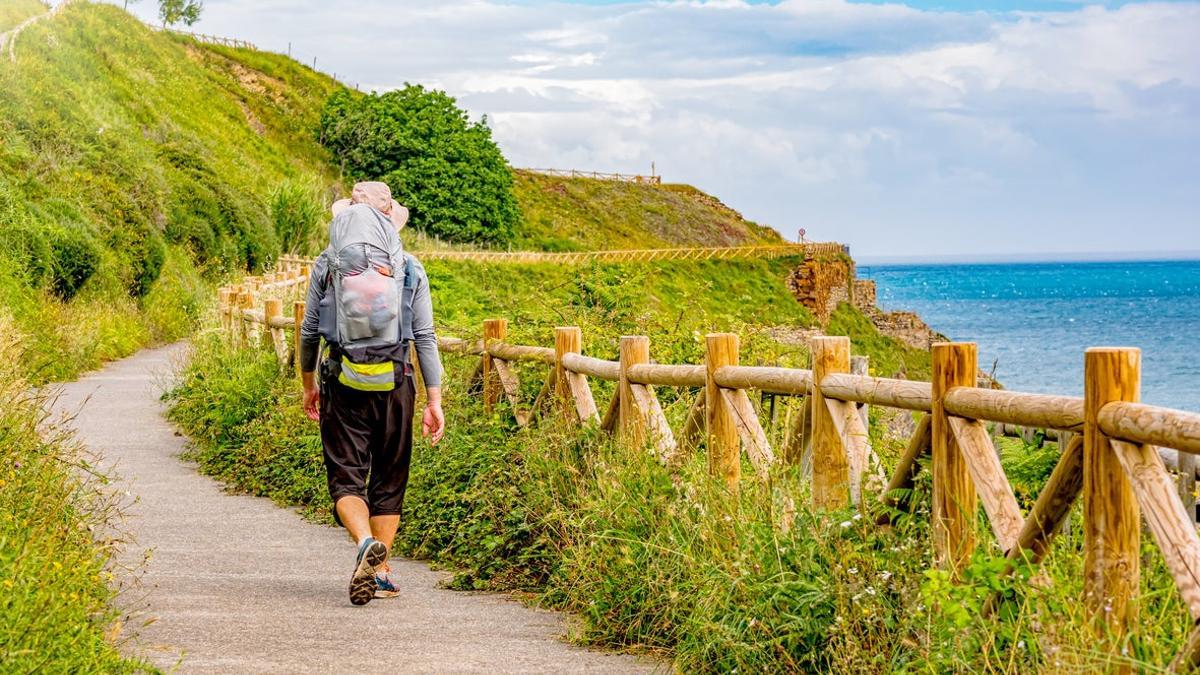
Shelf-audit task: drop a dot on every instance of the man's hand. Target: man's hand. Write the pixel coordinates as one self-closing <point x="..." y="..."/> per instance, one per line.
<point x="312" y="397"/>
<point x="433" y="422"/>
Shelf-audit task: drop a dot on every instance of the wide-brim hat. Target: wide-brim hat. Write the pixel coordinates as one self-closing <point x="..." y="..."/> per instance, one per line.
<point x="377" y="195"/>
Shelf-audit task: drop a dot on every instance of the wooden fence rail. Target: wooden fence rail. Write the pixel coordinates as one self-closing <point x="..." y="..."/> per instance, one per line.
<point x="209" y="39"/>
<point x="598" y="175"/>
<point x="1110" y="443"/>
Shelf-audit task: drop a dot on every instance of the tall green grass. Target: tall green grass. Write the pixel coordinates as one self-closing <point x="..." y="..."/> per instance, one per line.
<point x="58" y="532"/>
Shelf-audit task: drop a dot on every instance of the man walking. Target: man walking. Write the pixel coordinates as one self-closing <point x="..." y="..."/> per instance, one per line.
<point x="369" y="301"/>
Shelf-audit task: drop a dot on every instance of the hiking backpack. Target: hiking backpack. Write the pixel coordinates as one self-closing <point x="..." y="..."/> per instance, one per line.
<point x="367" y="296"/>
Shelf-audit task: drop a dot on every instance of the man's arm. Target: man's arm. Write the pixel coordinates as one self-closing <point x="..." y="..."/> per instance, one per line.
<point x="433" y="421"/>
<point x="310" y="338"/>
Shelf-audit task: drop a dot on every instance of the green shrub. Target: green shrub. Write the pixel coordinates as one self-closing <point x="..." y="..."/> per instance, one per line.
<point x="298" y="211"/>
<point x="76" y="256"/>
<point x="27" y="247"/>
<point x="446" y="169"/>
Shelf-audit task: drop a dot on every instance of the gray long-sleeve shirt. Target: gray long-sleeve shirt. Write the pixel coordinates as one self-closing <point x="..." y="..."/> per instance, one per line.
<point x="424" y="336"/>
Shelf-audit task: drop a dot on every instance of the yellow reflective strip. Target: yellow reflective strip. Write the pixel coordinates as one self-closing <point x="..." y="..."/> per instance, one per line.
<point x="369" y="368"/>
<point x="365" y="386"/>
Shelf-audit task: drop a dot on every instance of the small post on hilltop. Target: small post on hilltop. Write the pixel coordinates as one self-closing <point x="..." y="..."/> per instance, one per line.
<point x="634" y="349"/>
<point x="724" y="450"/>
<point x="1111" y="519"/>
<point x="494" y="330"/>
<point x="955" y="364"/>
<point x="831" y="465"/>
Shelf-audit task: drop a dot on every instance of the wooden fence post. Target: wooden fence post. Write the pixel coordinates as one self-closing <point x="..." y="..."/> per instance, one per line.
<point x="298" y="315"/>
<point x="493" y="329"/>
<point x="1111" y="525"/>
<point x="243" y="326"/>
<point x="861" y="365"/>
<point x="273" y="309"/>
<point x="567" y="340"/>
<point x="634" y="349"/>
<point x="724" y="458"/>
<point x="954" y="500"/>
<point x="830" y="465"/>
<point x="223" y="297"/>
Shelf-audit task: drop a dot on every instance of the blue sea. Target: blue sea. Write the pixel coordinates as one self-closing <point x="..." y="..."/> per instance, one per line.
<point x="1034" y="320"/>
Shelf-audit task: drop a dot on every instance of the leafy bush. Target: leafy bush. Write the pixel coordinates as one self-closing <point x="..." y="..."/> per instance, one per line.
<point x="76" y="256"/>
<point x="446" y="169"/>
<point x="298" y="211"/>
<point x="26" y="245"/>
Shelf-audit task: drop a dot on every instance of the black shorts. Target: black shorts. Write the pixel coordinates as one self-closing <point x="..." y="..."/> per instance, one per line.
<point x="367" y="441"/>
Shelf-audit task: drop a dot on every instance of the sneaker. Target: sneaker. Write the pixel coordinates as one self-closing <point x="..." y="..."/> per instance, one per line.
<point x="371" y="555"/>
<point x="384" y="587"/>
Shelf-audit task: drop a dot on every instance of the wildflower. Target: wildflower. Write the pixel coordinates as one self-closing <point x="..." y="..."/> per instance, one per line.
<point x="845" y="524"/>
<point x="857" y="516"/>
<point x="853" y="570"/>
<point x="885" y="575"/>
<point x="870" y="590"/>
<point x="1020" y="644"/>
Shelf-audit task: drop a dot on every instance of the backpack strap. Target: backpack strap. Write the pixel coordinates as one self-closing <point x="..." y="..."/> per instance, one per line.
<point x="407" y="296"/>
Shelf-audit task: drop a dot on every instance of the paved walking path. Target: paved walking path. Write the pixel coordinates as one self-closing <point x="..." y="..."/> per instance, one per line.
<point x="237" y="584"/>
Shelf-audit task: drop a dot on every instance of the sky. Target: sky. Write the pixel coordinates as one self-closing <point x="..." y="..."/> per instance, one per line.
<point x="929" y="129"/>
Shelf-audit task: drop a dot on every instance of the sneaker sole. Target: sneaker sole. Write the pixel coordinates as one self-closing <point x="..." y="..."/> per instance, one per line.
<point x="362" y="584"/>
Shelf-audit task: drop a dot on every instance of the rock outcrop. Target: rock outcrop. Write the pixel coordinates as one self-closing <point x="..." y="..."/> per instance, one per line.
<point x="821" y="284"/>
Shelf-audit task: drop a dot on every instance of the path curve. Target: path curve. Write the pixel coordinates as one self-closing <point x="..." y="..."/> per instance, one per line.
<point x="237" y="584"/>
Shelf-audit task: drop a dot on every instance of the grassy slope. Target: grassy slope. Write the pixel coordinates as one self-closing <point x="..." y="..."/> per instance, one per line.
<point x="577" y="214"/>
<point x="133" y="135"/>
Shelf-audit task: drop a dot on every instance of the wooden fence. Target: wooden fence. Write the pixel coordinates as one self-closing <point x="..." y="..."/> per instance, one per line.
<point x="210" y="39"/>
<point x="597" y="175"/>
<point x="622" y="256"/>
<point x="1109" y="441"/>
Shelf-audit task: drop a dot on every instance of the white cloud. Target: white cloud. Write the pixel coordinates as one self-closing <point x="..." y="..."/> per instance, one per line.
<point x="895" y="129"/>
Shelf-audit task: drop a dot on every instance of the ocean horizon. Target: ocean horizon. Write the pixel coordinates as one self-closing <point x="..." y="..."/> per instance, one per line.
<point x="1033" y="320"/>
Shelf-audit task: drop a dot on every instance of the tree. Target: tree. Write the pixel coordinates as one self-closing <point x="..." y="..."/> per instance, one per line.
<point x="186" y="12"/>
<point x="445" y="168"/>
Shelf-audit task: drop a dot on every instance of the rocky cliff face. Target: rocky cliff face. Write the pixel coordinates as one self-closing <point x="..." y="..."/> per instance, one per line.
<point x="821" y="284"/>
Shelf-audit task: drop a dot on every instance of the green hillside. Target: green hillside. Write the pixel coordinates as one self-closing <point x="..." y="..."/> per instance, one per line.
<point x="131" y="163"/>
<point x="585" y="214"/>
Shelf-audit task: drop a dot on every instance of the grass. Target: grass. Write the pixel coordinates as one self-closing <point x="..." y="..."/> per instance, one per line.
<point x="667" y="561"/>
<point x="57" y="535"/>
<point x="675" y="297"/>
<point x="583" y="214"/>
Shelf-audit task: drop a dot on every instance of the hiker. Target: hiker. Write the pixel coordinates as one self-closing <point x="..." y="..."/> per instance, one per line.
<point x="369" y="301"/>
